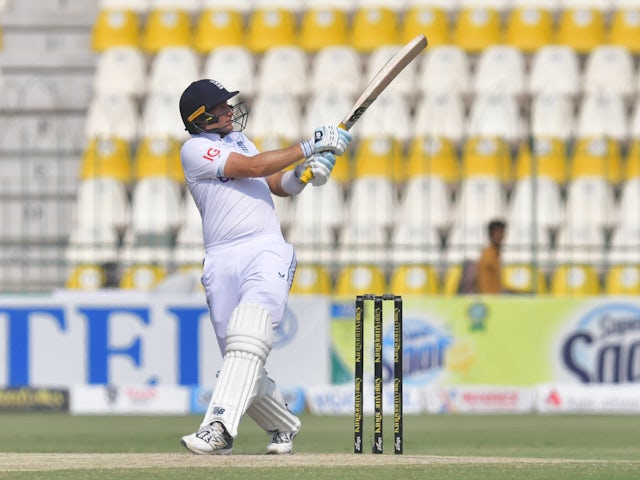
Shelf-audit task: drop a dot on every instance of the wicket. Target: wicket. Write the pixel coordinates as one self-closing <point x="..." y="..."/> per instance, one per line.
<point x="378" y="301"/>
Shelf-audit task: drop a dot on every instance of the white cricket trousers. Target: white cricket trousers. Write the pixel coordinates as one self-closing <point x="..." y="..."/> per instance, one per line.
<point x="257" y="269"/>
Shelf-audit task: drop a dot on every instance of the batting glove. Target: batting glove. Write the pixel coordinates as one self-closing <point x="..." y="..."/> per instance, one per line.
<point x="321" y="165"/>
<point x="327" y="138"/>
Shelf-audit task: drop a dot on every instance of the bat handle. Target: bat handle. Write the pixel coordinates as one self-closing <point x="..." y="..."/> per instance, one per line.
<point x="307" y="175"/>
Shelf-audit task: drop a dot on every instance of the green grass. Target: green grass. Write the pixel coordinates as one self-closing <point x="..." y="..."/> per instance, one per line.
<point x="611" y="443"/>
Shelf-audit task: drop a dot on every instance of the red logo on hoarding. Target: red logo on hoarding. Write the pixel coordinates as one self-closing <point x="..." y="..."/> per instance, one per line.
<point x="554" y="399"/>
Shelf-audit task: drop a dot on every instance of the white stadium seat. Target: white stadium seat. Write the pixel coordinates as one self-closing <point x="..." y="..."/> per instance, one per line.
<point x="234" y="67"/>
<point x="444" y="68"/>
<point x="113" y="116"/>
<point x="440" y="115"/>
<point x="283" y="69"/>
<point x="172" y="69"/>
<point x="500" y="68"/>
<point x="602" y="115"/>
<point x="552" y="116"/>
<point x="610" y="69"/>
<point x="337" y="68"/>
<point x="121" y="70"/>
<point x="555" y="69"/>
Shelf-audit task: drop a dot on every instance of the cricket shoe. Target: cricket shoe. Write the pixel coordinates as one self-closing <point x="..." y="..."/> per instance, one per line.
<point x="281" y="443"/>
<point x="212" y="439"/>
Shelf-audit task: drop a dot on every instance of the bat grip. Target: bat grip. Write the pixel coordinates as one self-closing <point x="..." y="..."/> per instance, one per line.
<point x="307" y="175"/>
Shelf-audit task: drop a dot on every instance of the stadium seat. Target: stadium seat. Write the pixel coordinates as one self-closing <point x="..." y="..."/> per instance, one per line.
<point x="112" y="116"/>
<point x="479" y="200"/>
<point x="609" y="69"/>
<point x="624" y="28"/>
<point x="537" y="201"/>
<point x="276" y="115"/>
<point x="372" y="201"/>
<point x="189" y="246"/>
<point x="575" y="280"/>
<point x="415" y="243"/>
<point x="629" y="202"/>
<point x="622" y="280"/>
<point x="486" y="157"/>
<point x="444" y="68"/>
<point x="362" y="243"/>
<point x="138" y="6"/>
<point x="378" y="157"/>
<point x="311" y="279"/>
<point x="190" y="6"/>
<point x="121" y="71"/>
<point x="389" y="116"/>
<point x="526" y="243"/>
<point x="156" y="208"/>
<point x="549" y="160"/>
<point x="464" y="243"/>
<point x="623" y="249"/>
<point x="102" y="204"/>
<point x="322" y="206"/>
<point x="323" y="27"/>
<point x="425" y="199"/>
<point x="159" y="118"/>
<point x="270" y="27"/>
<point x="555" y="69"/>
<point x="115" y="28"/>
<point x="500" y="68"/>
<point x="596" y="157"/>
<point x="86" y="277"/>
<point x="106" y="158"/>
<point x="404" y="83"/>
<point x="91" y="245"/>
<point x="440" y="115"/>
<point x="232" y="66"/>
<point x="433" y="157"/>
<point x="632" y="161"/>
<point x="158" y="156"/>
<point x="590" y="201"/>
<point x="414" y="280"/>
<point x="602" y="115"/>
<point x="552" y="116"/>
<point x="166" y="27"/>
<point x="218" y="27"/>
<point x="242" y="6"/>
<point x="360" y="279"/>
<point x="172" y="69"/>
<point x="523" y="279"/>
<point x="431" y="21"/>
<point x="529" y="28"/>
<point x="582" y="29"/>
<point x="346" y="65"/>
<point x="142" y="277"/>
<point x="476" y="29"/>
<point x="283" y="69"/>
<point x="315" y="243"/>
<point x="373" y="27"/>
<point x="496" y="115"/>
<point x="580" y="244"/>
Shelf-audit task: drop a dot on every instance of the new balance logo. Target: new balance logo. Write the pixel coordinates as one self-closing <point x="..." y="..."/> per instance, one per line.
<point x="218" y="411"/>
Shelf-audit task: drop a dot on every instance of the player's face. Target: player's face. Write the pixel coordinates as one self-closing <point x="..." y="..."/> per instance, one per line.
<point x="224" y="112"/>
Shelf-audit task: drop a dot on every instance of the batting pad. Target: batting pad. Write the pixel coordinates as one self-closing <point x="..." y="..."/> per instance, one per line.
<point x="270" y="411"/>
<point x="249" y="339"/>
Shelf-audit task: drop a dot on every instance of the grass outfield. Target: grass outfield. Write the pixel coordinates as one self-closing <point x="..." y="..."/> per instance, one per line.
<point x="56" y="446"/>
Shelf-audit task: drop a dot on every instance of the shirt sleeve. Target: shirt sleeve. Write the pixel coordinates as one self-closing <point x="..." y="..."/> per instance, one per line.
<point x="202" y="158"/>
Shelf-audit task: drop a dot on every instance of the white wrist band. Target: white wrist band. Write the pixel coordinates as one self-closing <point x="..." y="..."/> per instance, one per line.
<point x="290" y="183"/>
<point x="307" y="148"/>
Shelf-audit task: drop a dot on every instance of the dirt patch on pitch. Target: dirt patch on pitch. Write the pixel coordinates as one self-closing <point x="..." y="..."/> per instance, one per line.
<point x="75" y="461"/>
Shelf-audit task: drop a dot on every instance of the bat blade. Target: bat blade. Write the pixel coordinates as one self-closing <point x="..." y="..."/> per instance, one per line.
<point x="378" y="84"/>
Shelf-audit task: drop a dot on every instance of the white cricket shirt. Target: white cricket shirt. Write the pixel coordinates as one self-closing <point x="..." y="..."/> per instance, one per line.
<point x="231" y="208"/>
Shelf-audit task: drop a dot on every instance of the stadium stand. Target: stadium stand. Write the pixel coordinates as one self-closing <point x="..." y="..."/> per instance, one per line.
<point x="508" y="96"/>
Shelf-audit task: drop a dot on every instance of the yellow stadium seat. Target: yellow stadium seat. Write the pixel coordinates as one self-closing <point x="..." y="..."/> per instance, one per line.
<point x="550" y="160"/>
<point x="86" y="277"/>
<point x="632" y="162"/>
<point x="476" y="29"/>
<point x="142" y="277"/>
<point x="158" y="156"/>
<point x="268" y="28"/>
<point x="311" y="280"/>
<point x="486" y="156"/>
<point x="624" y="29"/>
<point x="372" y="28"/>
<point x="433" y="157"/>
<point x="452" y="279"/>
<point x="596" y="157"/>
<point x="323" y="27"/>
<point x="107" y="157"/>
<point x="379" y="156"/>
<point x="414" y="280"/>
<point x="575" y="280"/>
<point x="529" y="28"/>
<point x="581" y="29"/>
<point x="623" y="280"/>
<point x="115" y="28"/>
<point x="166" y="28"/>
<point x="360" y="279"/>
<point x="218" y="28"/>
<point x="523" y="279"/>
<point x="431" y="21"/>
